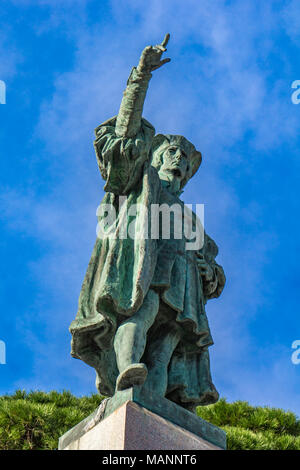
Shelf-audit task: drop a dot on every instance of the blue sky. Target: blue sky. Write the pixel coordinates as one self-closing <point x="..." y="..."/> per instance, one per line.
<point x="228" y="90"/>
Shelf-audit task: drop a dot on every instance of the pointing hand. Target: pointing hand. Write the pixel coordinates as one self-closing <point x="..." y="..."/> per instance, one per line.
<point x="151" y="57"/>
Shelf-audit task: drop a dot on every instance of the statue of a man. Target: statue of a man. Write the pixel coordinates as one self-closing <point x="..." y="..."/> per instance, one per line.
<point x="141" y="317"/>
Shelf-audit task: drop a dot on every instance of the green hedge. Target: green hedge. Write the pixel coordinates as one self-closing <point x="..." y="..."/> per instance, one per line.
<point x="36" y="420"/>
<point x="249" y="427"/>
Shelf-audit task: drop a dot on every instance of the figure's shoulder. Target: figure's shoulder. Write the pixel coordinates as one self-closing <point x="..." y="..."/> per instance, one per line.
<point x="147" y="124"/>
<point x="110" y="124"/>
<point x="106" y="126"/>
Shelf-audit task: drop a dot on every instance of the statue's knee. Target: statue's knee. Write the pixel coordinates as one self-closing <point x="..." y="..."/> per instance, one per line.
<point x="154" y="296"/>
<point x="147" y="313"/>
<point x="151" y="300"/>
<point x="121" y="334"/>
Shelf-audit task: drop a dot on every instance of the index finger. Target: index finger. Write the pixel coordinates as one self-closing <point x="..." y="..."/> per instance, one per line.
<point x="166" y="40"/>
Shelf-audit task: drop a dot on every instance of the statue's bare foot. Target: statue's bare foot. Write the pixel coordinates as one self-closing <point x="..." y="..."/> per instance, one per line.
<point x="135" y="374"/>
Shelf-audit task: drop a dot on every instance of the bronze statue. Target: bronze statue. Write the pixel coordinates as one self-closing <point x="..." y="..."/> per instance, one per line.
<point x="141" y="317"/>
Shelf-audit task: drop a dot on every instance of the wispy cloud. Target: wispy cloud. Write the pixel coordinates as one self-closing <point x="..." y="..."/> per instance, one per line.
<point x="10" y="56"/>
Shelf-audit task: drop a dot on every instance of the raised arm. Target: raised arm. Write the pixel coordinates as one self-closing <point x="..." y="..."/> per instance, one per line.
<point x="131" y="109"/>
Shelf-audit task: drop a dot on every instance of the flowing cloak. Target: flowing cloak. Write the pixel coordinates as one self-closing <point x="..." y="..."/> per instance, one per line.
<point x="123" y="268"/>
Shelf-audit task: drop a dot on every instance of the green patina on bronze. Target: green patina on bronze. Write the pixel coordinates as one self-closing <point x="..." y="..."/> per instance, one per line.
<point x="141" y="317"/>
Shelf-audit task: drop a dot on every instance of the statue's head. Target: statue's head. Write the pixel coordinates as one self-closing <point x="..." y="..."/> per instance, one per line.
<point x="175" y="159"/>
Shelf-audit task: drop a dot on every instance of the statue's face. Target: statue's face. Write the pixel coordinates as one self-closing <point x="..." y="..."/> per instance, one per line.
<point x="175" y="165"/>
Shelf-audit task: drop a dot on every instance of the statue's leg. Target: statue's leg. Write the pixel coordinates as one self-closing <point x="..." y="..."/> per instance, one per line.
<point x="130" y="342"/>
<point x="158" y="356"/>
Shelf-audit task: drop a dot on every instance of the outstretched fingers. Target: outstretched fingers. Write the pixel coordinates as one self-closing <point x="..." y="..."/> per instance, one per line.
<point x="162" y="62"/>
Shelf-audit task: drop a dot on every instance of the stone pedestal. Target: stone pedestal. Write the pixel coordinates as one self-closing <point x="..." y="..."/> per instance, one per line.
<point x="127" y="423"/>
